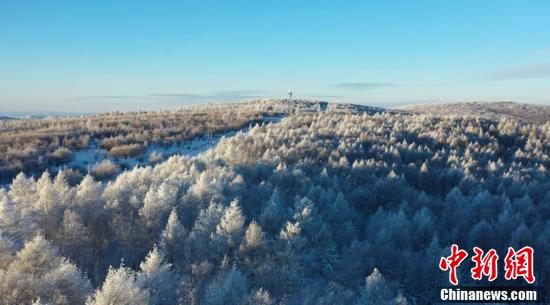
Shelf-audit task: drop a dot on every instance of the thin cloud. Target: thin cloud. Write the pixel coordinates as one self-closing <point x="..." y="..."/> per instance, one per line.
<point x="236" y="93"/>
<point x="173" y="98"/>
<point x="526" y="71"/>
<point x="326" y="96"/>
<point x="361" y="85"/>
<point x="218" y="95"/>
<point x="104" y="97"/>
<point x="177" y="95"/>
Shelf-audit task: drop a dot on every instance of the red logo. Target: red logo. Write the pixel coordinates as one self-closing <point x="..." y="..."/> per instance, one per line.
<point x="452" y="262"/>
<point x="485" y="265"/>
<point x="517" y="264"/>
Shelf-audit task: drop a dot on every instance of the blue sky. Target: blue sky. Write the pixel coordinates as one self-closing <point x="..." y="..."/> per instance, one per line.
<point x="107" y="55"/>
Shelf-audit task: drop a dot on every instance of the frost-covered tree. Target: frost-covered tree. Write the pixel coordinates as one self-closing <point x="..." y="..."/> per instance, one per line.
<point x="23" y="189"/>
<point x="16" y="217"/>
<point x="254" y="238"/>
<point x="38" y="271"/>
<point x="156" y="205"/>
<point x="231" y="226"/>
<point x="65" y="284"/>
<point x="158" y="278"/>
<point x="229" y="287"/>
<point x="73" y="236"/>
<point x="7" y="248"/>
<point x="377" y="291"/>
<point x="88" y="199"/>
<point x="48" y="205"/>
<point x="273" y="213"/>
<point x="198" y="241"/>
<point x="120" y="287"/>
<point x="173" y="239"/>
<point x="259" y="297"/>
<point x="37" y="257"/>
<point x="16" y="287"/>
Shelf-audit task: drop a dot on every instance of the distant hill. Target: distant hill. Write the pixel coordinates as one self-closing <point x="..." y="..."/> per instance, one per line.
<point x="3" y="118"/>
<point x="527" y="113"/>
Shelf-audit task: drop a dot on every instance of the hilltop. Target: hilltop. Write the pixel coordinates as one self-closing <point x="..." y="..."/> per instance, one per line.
<point x="83" y="142"/>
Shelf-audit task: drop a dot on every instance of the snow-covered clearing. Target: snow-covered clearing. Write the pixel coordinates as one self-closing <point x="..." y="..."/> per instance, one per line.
<point x="84" y="159"/>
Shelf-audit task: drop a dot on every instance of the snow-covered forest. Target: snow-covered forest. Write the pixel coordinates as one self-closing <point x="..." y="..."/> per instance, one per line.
<point x="528" y="113"/>
<point x="36" y="145"/>
<point x="344" y="205"/>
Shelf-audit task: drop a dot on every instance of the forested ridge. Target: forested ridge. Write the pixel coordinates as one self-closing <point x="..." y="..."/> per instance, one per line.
<point x="527" y="113"/>
<point x="348" y="205"/>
